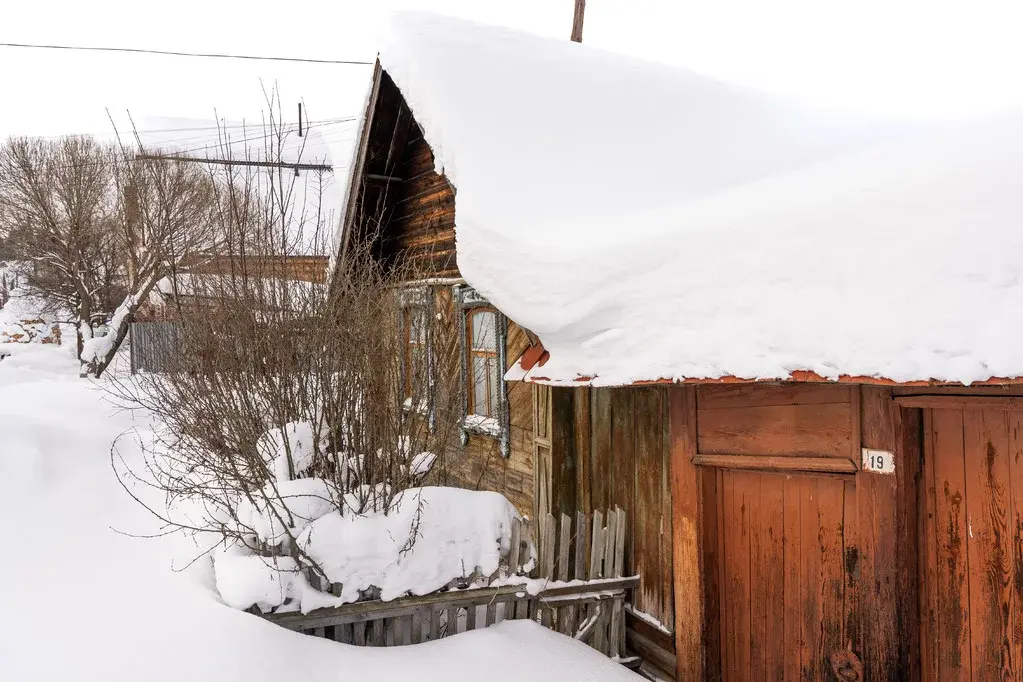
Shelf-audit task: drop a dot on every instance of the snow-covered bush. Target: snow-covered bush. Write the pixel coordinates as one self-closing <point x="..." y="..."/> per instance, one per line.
<point x="286" y="406"/>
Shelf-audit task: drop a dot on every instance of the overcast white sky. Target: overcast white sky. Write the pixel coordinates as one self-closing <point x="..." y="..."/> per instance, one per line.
<point x="892" y="55"/>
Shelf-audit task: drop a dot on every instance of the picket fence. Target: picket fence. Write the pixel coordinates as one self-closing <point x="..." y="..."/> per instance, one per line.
<point x="575" y="575"/>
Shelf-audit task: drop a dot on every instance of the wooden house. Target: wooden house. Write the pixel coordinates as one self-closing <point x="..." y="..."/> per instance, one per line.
<point x="812" y="427"/>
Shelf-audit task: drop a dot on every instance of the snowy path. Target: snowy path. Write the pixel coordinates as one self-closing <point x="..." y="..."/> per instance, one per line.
<point x="82" y="602"/>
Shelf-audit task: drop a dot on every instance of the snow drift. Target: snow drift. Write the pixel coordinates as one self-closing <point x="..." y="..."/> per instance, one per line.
<point x="649" y="223"/>
<point x="127" y="615"/>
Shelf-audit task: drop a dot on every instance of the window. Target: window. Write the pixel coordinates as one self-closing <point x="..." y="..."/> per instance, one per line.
<point x="483" y="363"/>
<point x="484" y="375"/>
<point x="415" y="363"/>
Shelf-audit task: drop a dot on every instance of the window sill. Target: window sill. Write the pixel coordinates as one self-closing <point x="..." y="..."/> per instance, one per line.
<point x="482" y="426"/>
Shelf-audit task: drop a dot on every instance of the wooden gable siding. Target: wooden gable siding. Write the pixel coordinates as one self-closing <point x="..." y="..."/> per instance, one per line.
<point x="422" y="221"/>
<point x="402" y="204"/>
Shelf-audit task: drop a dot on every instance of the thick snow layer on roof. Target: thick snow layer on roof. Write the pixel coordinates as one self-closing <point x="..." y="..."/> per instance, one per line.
<point x="649" y="223"/>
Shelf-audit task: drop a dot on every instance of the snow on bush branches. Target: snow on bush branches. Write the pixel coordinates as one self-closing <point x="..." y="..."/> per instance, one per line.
<point x="416" y="541"/>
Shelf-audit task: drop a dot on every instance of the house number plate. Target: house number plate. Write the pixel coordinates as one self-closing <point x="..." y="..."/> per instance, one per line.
<point x="878" y="461"/>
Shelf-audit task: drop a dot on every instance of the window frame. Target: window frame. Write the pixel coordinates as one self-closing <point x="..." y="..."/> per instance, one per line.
<point x="412" y="300"/>
<point x="468" y="302"/>
<point x="472" y="352"/>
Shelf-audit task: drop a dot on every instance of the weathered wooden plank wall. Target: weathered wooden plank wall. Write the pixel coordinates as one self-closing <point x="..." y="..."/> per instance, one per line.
<point x="619" y="444"/>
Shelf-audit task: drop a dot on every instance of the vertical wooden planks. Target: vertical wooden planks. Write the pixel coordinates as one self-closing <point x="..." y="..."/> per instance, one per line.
<point x="597" y="545"/>
<point x="647" y="510"/>
<point x="988" y="542"/>
<point x="952" y="598"/>
<point x="600" y="448"/>
<point x="772" y="536"/>
<point x="737" y="543"/>
<point x="564" y="542"/>
<point x="878" y="559"/>
<point x="563" y="451"/>
<point x="711" y="563"/>
<point x="623" y="452"/>
<point x="928" y="556"/>
<point x="685" y="529"/>
<point x="811" y="646"/>
<point x="584" y="471"/>
<point x="664" y="524"/>
<point x="758" y="576"/>
<point x="831" y="580"/>
<point x="909" y="516"/>
<point x="579" y="558"/>
<point x="1014" y="426"/>
<point x="792" y="587"/>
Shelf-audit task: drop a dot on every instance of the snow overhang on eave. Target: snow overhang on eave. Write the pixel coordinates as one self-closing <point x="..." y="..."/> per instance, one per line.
<point x="529" y="367"/>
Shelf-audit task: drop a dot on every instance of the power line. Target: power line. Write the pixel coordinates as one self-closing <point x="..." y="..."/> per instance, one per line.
<point x="175" y="53"/>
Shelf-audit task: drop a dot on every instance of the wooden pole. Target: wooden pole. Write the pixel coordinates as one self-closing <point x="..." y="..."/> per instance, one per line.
<point x="577" y="21"/>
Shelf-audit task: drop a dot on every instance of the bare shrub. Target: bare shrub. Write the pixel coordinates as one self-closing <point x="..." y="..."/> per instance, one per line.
<point x="265" y="358"/>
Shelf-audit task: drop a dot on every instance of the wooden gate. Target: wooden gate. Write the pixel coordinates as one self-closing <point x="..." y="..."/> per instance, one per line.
<point x="780" y="563"/>
<point x="778" y="473"/>
<point x="972" y="541"/>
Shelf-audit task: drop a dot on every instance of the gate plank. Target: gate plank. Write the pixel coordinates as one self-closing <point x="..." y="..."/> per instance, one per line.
<point x="792" y="588"/>
<point x="685" y="529"/>
<point x="738" y="486"/>
<point x="929" y="557"/>
<point x="812" y="608"/>
<point x="772" y="506"/>
<point x="952" y="598"/>
<point x="989" y="547"/>
<point x="600" y="447"/>
<point x="759" y="570"/>
<point x="876" y="558"/>
<point x="1014" y="424"/>
<point x="832" y="569"/>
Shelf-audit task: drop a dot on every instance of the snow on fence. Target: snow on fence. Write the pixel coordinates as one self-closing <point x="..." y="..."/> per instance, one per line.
<point x="154" y="345"/>
<point x="575" y="587"/>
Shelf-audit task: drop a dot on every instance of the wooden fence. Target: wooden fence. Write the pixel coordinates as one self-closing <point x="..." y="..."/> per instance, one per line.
<point x="576" y="580"/>
<point x="155" y="346"/>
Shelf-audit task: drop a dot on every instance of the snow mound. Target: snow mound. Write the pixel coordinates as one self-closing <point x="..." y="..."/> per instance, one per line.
<point x="649" y="223"/>
<point x="149" y="622"/>
<point x="428" y="538"/>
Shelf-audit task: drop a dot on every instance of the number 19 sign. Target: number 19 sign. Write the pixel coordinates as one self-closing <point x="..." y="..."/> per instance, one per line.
<point x="878" y="461"/>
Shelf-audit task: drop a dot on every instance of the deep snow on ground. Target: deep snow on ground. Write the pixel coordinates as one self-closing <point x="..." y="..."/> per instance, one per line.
<point x="83" y="602"/>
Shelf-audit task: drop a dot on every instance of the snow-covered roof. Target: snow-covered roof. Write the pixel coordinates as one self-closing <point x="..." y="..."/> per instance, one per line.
<point x="648" y="223"/>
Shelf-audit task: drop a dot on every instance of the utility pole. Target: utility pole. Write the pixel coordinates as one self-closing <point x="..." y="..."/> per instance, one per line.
<point x="577" y="21"/>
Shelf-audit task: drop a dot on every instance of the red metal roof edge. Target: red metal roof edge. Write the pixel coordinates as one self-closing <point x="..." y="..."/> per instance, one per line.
<point x="536" y="356"/>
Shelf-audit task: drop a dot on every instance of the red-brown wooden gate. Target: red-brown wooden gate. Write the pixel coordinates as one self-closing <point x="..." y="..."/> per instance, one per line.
<point x="972" y="543"/>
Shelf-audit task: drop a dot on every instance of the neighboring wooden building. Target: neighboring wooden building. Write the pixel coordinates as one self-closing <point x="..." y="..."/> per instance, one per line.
<point x="856" y="528"/>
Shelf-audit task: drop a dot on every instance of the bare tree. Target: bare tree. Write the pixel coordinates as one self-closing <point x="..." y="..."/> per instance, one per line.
<point x="164" y="218"/>
<point x="100" y="227"/>
<point x="56" y="203"/>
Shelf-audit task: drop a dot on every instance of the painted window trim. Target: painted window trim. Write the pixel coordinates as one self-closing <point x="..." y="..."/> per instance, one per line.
<point x="419" y="297"/>
<point x="466" y="299"/>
